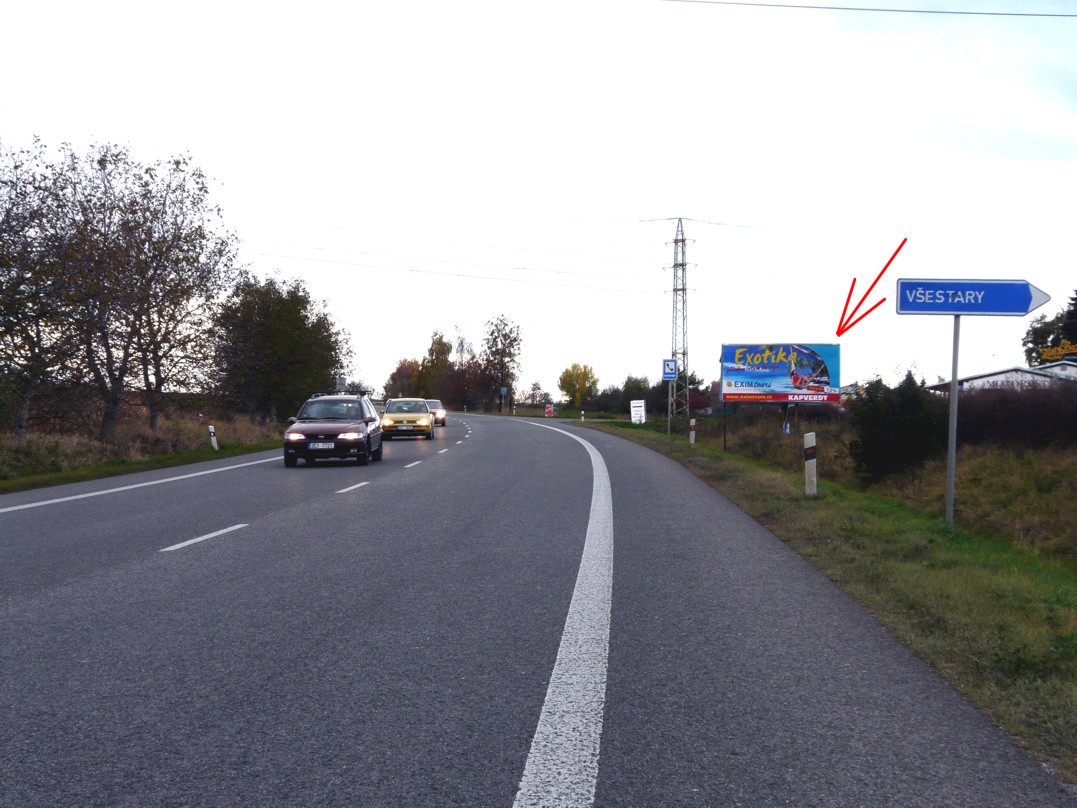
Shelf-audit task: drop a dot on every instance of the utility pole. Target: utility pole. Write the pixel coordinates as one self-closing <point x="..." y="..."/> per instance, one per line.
<point x="678" y="396"/>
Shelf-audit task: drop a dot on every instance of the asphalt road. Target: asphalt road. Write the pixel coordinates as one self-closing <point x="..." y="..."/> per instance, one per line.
<point x="505" y="615"/>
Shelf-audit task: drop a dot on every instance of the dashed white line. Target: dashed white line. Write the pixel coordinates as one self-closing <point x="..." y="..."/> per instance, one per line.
<point x="353" y="487"/>
<point x="202" y="538"/>
<point x="409" y="465"/>
<point x="443" y="451"/>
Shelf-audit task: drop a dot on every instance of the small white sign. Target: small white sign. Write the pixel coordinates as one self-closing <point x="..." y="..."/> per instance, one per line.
<point x="639" y="411"/>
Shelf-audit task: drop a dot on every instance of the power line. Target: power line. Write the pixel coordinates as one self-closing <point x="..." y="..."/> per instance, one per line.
<point x="449" y="274"/>
<point x="884" y="10"/>
<point x="473" y="264"/>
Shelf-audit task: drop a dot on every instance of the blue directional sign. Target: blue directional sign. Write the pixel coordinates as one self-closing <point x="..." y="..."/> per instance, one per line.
<point x="956" y="297"/>
<point x="669" y="370"/>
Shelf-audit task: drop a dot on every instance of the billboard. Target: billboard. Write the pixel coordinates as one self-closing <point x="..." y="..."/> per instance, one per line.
<point x="781" y="372"/>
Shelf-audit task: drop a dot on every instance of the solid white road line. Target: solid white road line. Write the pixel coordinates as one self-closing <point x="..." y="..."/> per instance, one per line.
<point x="136" y="485"/>
<point x="562" y="765"/>
<point x="202" y="538"/>
<point x="409" y="465"/>
<point x="353" y="487"/>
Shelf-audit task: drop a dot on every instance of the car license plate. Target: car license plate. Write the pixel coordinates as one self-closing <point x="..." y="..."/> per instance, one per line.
<point x="405" y="428"/>
<point x="319" y="445"/>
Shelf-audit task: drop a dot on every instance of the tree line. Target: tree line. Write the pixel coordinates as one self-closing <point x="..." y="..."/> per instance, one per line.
<point x="461" y="377"/>
<point x="119" y="284"/>
<point x="579" y="385"/>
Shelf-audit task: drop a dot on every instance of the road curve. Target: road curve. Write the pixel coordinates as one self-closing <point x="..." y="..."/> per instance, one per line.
<point x="388" y="636"/>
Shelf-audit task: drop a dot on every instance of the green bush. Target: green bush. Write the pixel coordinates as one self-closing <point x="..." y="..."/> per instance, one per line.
<point x="895" y="429"/>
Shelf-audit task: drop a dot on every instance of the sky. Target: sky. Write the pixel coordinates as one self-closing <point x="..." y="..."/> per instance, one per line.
<point x="429" y="165"/>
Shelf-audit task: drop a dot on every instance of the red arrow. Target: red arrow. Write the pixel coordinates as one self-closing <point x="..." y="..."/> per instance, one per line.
<point x="845" y="323"/>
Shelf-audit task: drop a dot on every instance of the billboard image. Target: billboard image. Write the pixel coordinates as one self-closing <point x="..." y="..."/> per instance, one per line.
<point x="781" y="372"/>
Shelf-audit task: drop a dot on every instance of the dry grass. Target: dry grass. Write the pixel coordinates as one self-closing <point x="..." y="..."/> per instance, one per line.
<point x="45" y="454"/>
<point x="1025" y="497"/>
<point x="1028" y="498"/>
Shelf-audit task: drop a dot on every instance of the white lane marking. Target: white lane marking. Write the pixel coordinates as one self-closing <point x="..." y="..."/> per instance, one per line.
<point x="130" y="487"/>
<point x="353" y="487"/>
<point x="459" y="442"/>
<point x="409" y="465"/>
<point x="443" y="451"/>
<point x="202" y="538"/>
<point x="562" y="765"/>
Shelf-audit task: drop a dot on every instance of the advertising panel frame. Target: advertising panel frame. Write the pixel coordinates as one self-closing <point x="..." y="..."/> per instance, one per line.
<point x="781" y="373"/>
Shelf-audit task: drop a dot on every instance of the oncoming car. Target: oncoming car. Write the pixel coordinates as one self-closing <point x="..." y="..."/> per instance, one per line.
<point x="407" y="417"/>
<point x="334" y="426"/>
<point x="438" y="411"/>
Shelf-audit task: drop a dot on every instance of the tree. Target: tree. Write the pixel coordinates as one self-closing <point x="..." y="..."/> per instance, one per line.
<point x="403" y="382"/>
<point x="536" y="396"/>
<point x="501" y="358"/>
<point x="896" y="429"/>
<point x="181" y="265"/>
<point x="435" y="369"/>
<point x="275" y="347"/>
<point x="1046" y="337"/>
<point x="38" y="344"/>
<point x="608" y="400"/>
<point x="578" y="383"/>
<point x="635" y="389"/>
<point x="96" y="217"/>
<point x="1069" y="322"/>
<point x="468" y="387"/>
<point x="109" y="268"/>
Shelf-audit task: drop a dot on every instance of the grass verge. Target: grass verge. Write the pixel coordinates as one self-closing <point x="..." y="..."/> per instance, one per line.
<point x="998" y="622"/>
<point x="112" y="468"/>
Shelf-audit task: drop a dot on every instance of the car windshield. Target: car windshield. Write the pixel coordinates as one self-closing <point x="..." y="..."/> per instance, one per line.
<point x="434" y="404"/>
<point x="331" y="411"/>
<point x="407" y="406"/>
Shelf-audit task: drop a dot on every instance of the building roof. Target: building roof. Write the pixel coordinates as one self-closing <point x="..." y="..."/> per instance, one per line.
<point x="1038" y="376"/>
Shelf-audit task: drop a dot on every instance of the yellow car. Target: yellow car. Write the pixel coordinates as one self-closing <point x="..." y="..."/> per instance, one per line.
<point x="407" y="417"/>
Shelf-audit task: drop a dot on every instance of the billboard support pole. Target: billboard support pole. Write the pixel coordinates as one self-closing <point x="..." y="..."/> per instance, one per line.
<point x="951" y="447"/>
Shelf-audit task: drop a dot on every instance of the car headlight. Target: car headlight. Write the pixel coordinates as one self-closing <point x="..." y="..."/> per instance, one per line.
<point x="350" y="436"/>
<point x="295" y="436"/>
<point x="424" y="422"/>
<point x="386" y="421"/>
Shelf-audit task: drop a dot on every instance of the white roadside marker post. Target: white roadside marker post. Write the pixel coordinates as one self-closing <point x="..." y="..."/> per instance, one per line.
<point x="213" y="437"/>
<point x="809" y="464"/>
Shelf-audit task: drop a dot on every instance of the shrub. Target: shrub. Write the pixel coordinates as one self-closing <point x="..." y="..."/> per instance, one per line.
<point x="895" y="429"/>
<point x="1030" y="418"/>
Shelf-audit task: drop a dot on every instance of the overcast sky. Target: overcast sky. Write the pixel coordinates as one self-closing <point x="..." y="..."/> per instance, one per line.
<point x="429" y="165"/>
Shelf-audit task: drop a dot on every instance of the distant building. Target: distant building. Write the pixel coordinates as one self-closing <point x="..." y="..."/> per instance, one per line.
<point x="1050" y="375"/>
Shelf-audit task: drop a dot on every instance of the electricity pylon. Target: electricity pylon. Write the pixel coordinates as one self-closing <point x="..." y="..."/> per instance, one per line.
<point x="678" y="394"/>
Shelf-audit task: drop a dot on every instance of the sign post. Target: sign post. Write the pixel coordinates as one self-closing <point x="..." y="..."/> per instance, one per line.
<point x="997" y="298"/>
<point x="669" y="374"/>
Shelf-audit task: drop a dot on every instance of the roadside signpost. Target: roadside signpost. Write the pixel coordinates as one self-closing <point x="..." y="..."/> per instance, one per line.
<point x="996" y="298"/>
<point x="669" y="374"/>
